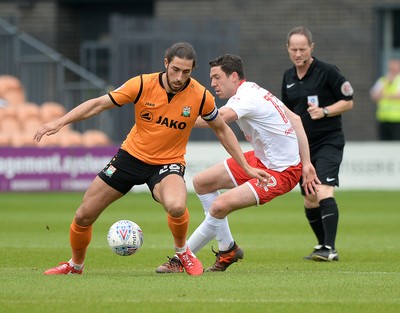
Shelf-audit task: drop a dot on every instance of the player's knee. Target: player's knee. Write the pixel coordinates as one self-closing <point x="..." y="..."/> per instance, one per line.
<point x="175" y="209"/>
<point x="203" y="184"/>
<point x="82" y="218"/>
<point x="218" y="209"/>
<point x="198" y="184"/>
<point x="311" y="201"/>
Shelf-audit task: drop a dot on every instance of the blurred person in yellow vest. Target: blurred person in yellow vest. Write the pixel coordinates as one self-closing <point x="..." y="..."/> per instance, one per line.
<point x="386" y="93"/>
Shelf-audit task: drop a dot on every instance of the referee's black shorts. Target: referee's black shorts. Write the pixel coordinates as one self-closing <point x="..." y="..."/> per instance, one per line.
<point x="125" y="171"/>
<point x="326" y="156"/>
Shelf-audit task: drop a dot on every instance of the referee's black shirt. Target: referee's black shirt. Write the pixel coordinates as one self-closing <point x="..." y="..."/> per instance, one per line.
<point x="323" y="80"/>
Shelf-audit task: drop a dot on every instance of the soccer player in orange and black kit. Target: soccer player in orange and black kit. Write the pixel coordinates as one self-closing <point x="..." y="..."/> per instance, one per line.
<point x="167" y="105"/>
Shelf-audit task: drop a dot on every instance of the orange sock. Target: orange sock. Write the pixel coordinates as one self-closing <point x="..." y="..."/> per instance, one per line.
<point x="179" y="227"/>
<point x="79" y="237"/>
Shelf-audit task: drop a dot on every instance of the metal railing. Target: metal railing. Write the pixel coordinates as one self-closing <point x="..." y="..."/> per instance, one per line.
<point x="48" y="76"/>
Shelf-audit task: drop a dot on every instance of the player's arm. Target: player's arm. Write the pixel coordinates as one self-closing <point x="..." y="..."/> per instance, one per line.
<point x="81" y="112"/>
<point x="309" y="175"/>
<point x="227" y="114"/>
<point x="228" y="139"/>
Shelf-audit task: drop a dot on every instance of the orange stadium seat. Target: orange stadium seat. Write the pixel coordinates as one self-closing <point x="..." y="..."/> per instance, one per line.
<point x="11" y="90"/>
<point x="10" y="124"/>
<point x="70" y="138"/>
<point x="95" y="138"/>
<point x="50" y="111"/>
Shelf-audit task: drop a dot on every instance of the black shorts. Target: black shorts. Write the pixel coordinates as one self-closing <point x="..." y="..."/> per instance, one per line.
<point x="125" y="171"/>
<point x="326" y="156"/>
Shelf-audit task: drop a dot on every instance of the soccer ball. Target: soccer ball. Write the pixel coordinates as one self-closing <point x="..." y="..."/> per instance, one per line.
<point x="125" y="237"/>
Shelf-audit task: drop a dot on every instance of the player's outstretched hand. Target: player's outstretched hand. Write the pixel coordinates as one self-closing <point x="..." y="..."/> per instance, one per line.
<point x="310" y="179"/>
<point x="47" y="129"/>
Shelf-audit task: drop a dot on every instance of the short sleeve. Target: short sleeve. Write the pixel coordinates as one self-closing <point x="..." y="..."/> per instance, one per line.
<point x="128" y="92"/>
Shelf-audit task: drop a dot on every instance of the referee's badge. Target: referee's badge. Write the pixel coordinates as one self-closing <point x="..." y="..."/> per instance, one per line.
<point x="346" y="89"/>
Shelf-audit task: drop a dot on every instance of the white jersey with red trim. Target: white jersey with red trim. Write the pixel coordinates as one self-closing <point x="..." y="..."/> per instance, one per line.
<point x="265" y="125"/>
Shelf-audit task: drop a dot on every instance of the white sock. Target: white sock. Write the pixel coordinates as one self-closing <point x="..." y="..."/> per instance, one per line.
<point x="224" y="235"/>
<point x="181" y="250"/>
<point x="223" y="232"/>
<point x="204" y="233"/>
<point x="78" y="267"/>
<point x="207" y="199"/>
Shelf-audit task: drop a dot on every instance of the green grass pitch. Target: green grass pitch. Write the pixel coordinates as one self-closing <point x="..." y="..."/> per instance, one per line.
<point x="273" y="277"/>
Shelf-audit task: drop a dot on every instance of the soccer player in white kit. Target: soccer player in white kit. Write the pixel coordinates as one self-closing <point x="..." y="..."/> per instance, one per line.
<point x="280" y="147"/>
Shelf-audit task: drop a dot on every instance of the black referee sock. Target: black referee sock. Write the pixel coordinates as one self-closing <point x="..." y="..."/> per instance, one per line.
<point x="314" y="218"/>
<point x="330" y="219"/>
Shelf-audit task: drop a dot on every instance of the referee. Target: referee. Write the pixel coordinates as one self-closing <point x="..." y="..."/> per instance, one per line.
<point x="319" y="94"/>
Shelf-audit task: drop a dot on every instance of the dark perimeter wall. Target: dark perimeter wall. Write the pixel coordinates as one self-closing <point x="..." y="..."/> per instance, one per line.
<point x="346" y="33"/>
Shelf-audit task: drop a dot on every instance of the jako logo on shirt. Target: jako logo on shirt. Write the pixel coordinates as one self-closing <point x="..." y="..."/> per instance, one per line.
<point x="170" y="123"/>
<point x="146" y="116"/>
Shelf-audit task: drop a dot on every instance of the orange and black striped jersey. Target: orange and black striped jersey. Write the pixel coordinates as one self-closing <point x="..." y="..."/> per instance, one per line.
<point x="163" y="125"/>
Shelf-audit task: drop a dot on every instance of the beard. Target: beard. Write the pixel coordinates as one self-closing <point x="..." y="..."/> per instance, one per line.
<point x="171" y="86"/>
